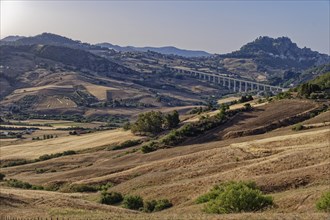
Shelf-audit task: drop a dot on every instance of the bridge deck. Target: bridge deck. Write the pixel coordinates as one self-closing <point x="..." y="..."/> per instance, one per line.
<point x="259" y="86"/>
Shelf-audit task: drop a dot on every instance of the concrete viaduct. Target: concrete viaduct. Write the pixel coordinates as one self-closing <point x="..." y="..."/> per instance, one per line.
<point x="237" y="85"/>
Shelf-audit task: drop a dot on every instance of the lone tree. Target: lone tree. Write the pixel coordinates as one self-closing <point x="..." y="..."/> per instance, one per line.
<point x="172" y="120"/>
<point x="149" y="122"/>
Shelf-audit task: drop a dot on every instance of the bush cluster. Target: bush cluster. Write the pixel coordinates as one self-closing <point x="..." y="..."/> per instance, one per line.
<point x="19" y="116"/>
<point x="150" y="147"/>
<point x="50" y="156"/>
<point x="23" y="185"/>
<point x="41" y="158"/>
<point x="234" y="197"/>
<point x="127" y="144"/>
<point x="83" y="188"/>
<point x="323" y="204"/>
<point x="105" y="187"/>
<point x="15" y="163"/>
<point x="316" y="88"/>
<point x="197" y="110"/>
<point x="111" y="198"/>
<point x="245" y="98"/>
<point x="298" y="127"/>
<point x="155" y="122"/>
<point x="45" y="137"/>
<point x="193" y="129"/>
<point x="133" y="202"/>
<point x="157" y="205"/>
<point x="284" y="95"/>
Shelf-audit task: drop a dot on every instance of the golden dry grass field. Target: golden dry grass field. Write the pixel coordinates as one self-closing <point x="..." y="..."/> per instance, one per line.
<point x="35" y="149"/>
<point x="292" y="166"/>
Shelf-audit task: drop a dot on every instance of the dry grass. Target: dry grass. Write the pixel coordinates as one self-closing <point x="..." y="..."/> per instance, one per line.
<point x="228" y="99"/>
<point x="292" y="166"/>
<point x="36" y="88"/>
<point x="35" y="149"/>
<point x="99" y="92"/>
<point x="278" y="164"/>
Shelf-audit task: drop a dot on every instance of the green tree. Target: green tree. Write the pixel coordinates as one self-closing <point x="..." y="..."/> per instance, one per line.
<point x="149" y="122"/>
<point x="172" y="120"/>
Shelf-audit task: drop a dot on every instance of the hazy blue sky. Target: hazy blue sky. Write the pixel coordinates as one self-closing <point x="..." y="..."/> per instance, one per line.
<point x="214" y="26"/>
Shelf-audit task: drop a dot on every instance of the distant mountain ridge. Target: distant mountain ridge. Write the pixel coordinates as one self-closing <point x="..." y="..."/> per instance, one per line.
<point x="168" y="50"/>
<point x="46" y="39"/>
<point x="57" y="40"/>
<point x="277" y="61"/>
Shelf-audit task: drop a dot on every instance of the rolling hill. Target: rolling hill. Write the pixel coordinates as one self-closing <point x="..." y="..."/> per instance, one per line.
<point x="47" y="73"/>
<point x="291" y="166"/>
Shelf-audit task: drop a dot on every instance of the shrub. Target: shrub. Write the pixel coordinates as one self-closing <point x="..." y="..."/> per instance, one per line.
<point x="162" y="204"/>
<point x="15" y="163"/>
<point x="210" y="195"/>
<point x="297" y="127"/>
<point x="23" y="185"/>
<point x="39" y="171"/>
<point x="105" y="187"/>
<point x="34" y="187"/>
<point x="173" y="138"/>
<point x="235" y="197"/>
<point x="247" y="106"/>
<point x="51" y="156"/>
<point x="156" y="205"/>
<point x="2" y="176"/>
<point x="18" y="184"/>
<point x="126" y="144"/>
<point x="323" y="204"/>
<point x="44" y="157"/>
<point x="149" y="206"/>
<point x="152" y="146"/>
<point x="68" y="152"/>
<point x="284" y="95"/>
<point x="133" y="202"/>
<point x="246" y="98"/>
<point x="83" y="188"/>
<point x="54" y="186"/>
<point x="110" y="198"/>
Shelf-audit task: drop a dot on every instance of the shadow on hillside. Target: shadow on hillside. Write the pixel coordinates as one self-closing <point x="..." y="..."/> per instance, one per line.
<point x="216" y="134"/>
